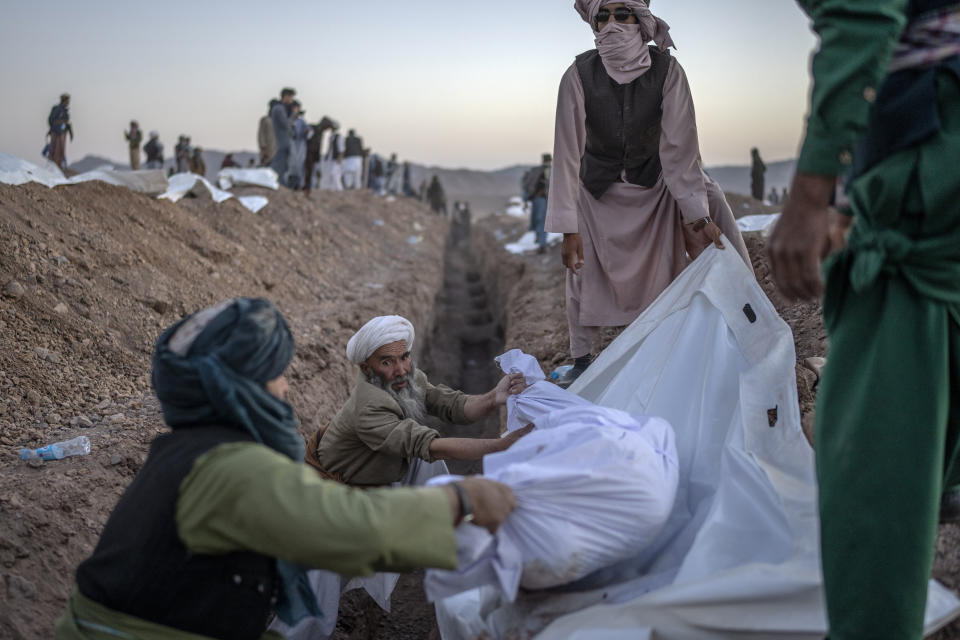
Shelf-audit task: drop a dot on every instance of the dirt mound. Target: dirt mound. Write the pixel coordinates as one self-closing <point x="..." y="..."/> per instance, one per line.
<point x="90" y="275"/>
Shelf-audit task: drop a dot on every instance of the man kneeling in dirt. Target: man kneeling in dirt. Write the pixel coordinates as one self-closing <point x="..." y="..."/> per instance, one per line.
<point x="378" y="436"/>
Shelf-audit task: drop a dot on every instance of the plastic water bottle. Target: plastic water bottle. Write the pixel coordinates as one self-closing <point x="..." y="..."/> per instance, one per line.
<point x="79" y="446"/>
<point x="560" y="372"/>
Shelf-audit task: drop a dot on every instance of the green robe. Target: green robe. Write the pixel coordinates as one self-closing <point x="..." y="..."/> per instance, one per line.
<point x="888" y="410"/>
<point x="247" y="497"/>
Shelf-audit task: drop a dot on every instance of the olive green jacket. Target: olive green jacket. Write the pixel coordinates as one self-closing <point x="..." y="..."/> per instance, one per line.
<point x="247" y="497"/>
<point x="369" y="442"/>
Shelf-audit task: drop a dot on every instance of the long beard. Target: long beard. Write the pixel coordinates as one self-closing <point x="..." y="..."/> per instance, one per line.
<point x="410" y="398"/>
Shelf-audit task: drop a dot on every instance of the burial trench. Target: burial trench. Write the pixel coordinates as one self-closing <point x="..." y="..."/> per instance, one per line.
<point x="466" y="334"/>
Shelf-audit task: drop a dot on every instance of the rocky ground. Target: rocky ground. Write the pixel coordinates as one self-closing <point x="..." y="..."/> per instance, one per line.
<point x="91" y="274"/>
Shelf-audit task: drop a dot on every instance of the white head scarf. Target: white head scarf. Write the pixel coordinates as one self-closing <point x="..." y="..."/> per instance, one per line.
<point x="376" y="333"/>
<point x="622" y="47"/>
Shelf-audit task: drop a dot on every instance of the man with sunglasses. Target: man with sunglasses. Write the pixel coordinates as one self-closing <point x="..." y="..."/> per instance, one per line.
<point x="885" y="113"/>
<point x="627" y="189"/>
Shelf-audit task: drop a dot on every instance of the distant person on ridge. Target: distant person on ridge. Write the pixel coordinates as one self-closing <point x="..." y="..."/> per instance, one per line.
<point x="536" y="185"/>
<point x="197" y="165"/>
<point x="773" y="198"/>
<point x="281" y="116"/>
<point x="302" y="132"/>
<point x="394" y="177"/>
<point x="377" y="175"/>
<point x="436" y="196"/>
<point x="181" y="155"/>
<point x="228" y="162"/>
<point x="407" y="181"/>
<point x="353" y="161"/>
<point x="314" y="145"/>
<point x="266" y="140"/>
<point x="154" y="151"/>
<point x="331" y="168"/>
<point x="60" y="127"/>
<point x="134" y="138"/>
<point x="627" y="190"/>
<point x="757" y="172"/>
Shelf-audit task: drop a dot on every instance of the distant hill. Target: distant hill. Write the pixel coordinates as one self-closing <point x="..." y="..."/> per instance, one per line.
<point x="736" y="179"/>
<point x="489" y="191"/>
<point x="486" y="191"/>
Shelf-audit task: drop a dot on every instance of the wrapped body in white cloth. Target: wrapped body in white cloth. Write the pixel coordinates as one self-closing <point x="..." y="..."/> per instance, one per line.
<point x="593" y="486"/>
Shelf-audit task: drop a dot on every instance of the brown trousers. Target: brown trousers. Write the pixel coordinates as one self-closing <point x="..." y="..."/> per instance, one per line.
<point x="58" y="148"/>
<point x="308" y="167"/>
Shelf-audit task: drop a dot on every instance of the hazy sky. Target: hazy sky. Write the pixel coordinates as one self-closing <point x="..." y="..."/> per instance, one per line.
<point x="469" y="84"/>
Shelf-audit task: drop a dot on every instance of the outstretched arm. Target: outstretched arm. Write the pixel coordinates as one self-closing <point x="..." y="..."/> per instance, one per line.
<point x="245" y="497"/>
<point x="474" y="448"/>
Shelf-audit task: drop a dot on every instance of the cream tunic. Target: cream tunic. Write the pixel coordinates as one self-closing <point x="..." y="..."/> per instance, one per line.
<point x="632" y="237"/>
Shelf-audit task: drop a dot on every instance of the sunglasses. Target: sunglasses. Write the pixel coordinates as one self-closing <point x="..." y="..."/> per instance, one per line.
<point x="620" y="14"/>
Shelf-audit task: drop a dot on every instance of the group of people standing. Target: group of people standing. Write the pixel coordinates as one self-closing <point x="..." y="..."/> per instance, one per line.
<point x="287" y="143"/>
<point x="186" y="157"/>
<point x="153" y="147"/>
<point x="295" y="149"/>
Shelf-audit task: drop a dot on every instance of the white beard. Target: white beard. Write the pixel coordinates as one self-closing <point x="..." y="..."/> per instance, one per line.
<point x="410" y="398"/>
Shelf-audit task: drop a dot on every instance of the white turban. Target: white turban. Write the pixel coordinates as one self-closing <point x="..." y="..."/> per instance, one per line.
<point x="376" y="333"/>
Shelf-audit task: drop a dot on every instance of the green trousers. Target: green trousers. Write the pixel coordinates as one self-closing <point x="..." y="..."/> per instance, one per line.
<point x="888" y="411"/>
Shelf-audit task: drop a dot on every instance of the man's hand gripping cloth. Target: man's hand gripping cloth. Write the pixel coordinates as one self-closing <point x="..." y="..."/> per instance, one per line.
<point x="541" y="396"/>
<point x="593" y="486"/>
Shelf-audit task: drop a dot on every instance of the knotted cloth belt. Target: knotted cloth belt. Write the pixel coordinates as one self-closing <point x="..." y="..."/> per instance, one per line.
<point x="930" y="265"/>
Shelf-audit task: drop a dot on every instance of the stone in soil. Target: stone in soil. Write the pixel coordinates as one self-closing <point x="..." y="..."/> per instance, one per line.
<point x="14" y="290"/>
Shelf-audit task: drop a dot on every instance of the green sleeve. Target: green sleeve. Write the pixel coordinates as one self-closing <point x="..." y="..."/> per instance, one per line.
<point x="244" y="496"/>
<point x="384" y="432"/>
<point x="857" y="39"/>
